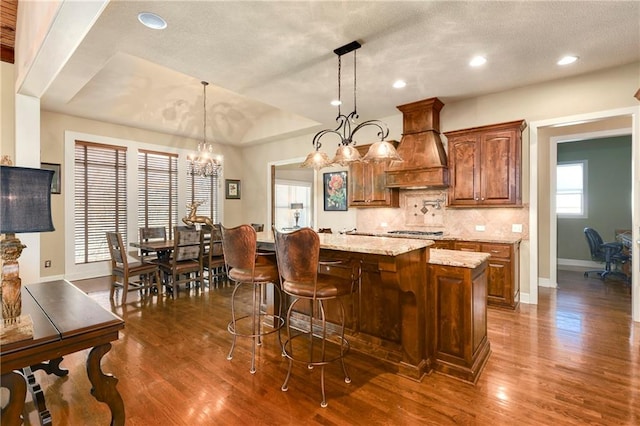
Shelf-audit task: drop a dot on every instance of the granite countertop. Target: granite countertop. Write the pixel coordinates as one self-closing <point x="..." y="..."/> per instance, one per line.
<point x="386" y="246"/>
<point x="484" y="239"/>
<point x="463" y="259"/>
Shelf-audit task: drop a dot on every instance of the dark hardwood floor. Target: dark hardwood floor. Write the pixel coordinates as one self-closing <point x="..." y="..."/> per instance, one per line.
<point x="574" y="359"/>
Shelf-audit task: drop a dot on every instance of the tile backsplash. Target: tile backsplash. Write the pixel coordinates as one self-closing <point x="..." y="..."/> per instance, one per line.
<point x="420" y="210"/>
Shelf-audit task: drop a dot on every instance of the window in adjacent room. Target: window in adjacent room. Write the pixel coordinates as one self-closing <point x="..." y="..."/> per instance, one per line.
<point x="100" y="199"/>
<point x="571" y="189"/>
<point x="157" y="190"/>
<point x="287" y="193"/>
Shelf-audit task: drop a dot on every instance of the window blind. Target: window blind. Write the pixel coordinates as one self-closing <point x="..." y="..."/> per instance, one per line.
<point x="100" y="199"/>
<point x="205" y="189"/>
<point x="157" y="190"/>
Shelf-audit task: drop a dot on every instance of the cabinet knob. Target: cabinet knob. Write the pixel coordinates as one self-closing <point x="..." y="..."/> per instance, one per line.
<point x="476" y="199"/>
<point x="482" y="198"/>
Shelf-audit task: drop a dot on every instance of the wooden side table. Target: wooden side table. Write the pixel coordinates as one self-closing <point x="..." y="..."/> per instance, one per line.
<point x="65" y="320"/>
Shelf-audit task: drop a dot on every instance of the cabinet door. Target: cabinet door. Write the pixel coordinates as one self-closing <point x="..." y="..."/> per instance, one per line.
<point x="499" y="283"/>
<point x="357" y="184"/>
<point x="499" y="163"/>
<point x="368" y="184"/>
<point x="378" y="193"/>
<point x="502" y="283"/>
<point x="464" y="168"/>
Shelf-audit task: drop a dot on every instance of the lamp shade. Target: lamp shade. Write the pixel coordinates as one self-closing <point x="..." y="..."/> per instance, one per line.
<point x="296" y="206"/>
<point x="25" y="200"/>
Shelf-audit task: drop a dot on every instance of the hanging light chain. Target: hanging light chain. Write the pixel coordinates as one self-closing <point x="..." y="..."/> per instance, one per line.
<point x="339" y="84"/>
<point x="355" y="104"/>
<point x="204" y="116"/>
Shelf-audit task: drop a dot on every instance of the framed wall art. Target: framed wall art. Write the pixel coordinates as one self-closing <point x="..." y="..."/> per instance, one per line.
<point x="335" y="191"/>
<point x="55" y="183"/>
<point x="232" y="189"/>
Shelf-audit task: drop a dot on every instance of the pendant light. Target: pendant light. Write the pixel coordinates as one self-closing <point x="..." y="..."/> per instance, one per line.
<point x="346" y="152"/>
<point x="204" y="163"/>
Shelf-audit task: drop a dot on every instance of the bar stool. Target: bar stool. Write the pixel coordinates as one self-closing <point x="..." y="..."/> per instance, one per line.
<point x="239" y="246"/>
<point x="298" y="254"/>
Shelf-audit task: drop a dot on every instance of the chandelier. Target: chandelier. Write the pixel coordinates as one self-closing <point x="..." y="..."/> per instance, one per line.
<point x="204" y="163"/>
<point x="347" y="128"/>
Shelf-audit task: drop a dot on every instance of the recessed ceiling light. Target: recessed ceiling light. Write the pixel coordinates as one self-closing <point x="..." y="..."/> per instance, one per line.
<point x="399" y="84"/>
<point x="336" y="102"/>
<point x="477" y="61"/>
<point x="151" y="20"/>
<point x="567" y="60"/>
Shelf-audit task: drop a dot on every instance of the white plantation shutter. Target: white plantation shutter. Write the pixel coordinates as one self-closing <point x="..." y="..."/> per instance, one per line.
<point x="100" y="198"/>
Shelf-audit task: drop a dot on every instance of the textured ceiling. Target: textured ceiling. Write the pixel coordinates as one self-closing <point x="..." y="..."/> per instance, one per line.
<point x="273" y="71"/>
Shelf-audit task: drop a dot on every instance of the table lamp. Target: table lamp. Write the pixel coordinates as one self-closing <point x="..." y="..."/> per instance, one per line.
<point x="25" y="206"/>
<point x="296" y="207"/>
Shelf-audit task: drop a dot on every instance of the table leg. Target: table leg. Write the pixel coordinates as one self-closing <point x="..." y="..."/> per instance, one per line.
<point x="17" y="385"/>
<point x="104" y="385"/>
<point x="51" y="367"/>
<point x="38" y="397"/>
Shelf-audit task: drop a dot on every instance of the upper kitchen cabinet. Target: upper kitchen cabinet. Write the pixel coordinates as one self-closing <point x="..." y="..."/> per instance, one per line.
<point x="368" y="183"/>
<point x="485" y="165"/>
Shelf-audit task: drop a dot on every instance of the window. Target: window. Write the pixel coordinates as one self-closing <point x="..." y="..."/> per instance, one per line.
<point x="571" y="189"/>
<point x="100" y="198"/>
<point x="288" y="192"/>
<point x="157" y="190"/>
<point x="205" y="189"/>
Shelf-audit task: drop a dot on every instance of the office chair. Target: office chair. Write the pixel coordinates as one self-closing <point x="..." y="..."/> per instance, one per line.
<point x="609" y="253"/>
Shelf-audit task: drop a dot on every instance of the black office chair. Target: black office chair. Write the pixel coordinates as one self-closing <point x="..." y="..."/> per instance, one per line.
<point x="609" y="253"/>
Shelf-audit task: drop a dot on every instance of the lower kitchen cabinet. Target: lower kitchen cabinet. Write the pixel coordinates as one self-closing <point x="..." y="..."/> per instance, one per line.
<point x="503" y="275"/>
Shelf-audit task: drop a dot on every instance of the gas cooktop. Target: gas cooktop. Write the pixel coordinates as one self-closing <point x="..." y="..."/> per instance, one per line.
<point x="434" y="233"/>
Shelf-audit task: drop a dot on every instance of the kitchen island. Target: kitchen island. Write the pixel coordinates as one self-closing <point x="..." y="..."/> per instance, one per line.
<point x="392" y="315"/>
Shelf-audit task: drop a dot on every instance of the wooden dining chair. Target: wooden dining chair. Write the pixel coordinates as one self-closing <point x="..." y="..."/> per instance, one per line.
<point x="126" y="275"/>
<point x="185" y="264"/>
<point x="213" y="264"/>
<point x="151" y="233"/>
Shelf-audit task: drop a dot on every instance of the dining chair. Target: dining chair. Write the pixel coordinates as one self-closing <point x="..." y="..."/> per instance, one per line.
<point x="151" y="233"/>
<point x="213" y="256"/>
<point x="298" y="258"/>
<point x="185" y="264"/>
<point x="239" y="245"/>
<point x="126" y="275"/>
<point x="259" y="227"/>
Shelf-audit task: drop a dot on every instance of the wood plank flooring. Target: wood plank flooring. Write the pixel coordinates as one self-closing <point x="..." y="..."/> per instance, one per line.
<point x="574" y="359"/>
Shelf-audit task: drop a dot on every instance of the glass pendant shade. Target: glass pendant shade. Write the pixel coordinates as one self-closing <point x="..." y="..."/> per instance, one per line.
<point x="316" y="160"/>
<point x="382" y="151"/>
<point x="346" y="154"/>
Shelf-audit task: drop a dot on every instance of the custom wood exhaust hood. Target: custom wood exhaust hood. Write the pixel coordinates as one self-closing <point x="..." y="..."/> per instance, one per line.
<point x="425" y="159"/>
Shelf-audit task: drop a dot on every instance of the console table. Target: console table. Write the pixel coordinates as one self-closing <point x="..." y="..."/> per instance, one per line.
<point x="65" y="320"/>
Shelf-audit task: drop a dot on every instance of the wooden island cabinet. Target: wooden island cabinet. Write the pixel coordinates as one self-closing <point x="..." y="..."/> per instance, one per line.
<point x="460" y="286"/>
<point x="392" y="315"/>
<point x="416" y="309"/>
